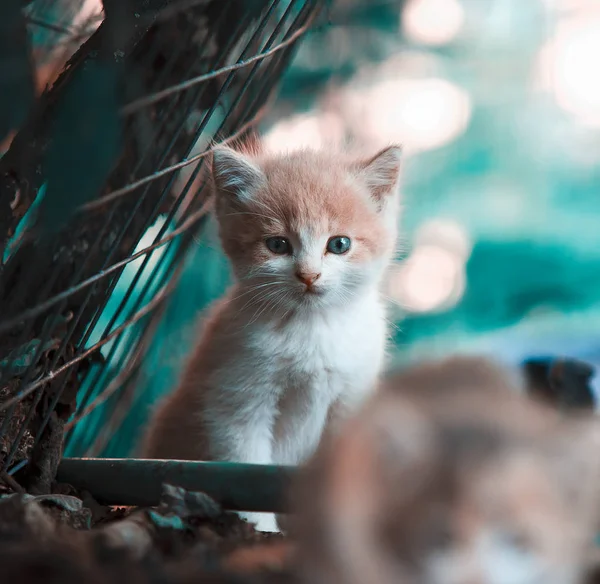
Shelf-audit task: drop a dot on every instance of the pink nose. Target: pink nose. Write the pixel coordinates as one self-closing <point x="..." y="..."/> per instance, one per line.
<point x="307" y="279"/>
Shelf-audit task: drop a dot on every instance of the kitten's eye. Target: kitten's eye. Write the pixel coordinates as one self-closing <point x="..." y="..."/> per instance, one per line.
<point x="338" y="244"/>
<point x="279" y="245"/>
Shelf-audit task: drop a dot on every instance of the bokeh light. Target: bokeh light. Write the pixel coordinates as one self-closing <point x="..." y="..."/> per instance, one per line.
<point x="433" y="277"/>
<point x="567" y="65"/>
<point x="430" y="279"/>
<point x="420" y="113"/>
<point x="447" y="233"/>
<point x="432" y="22"/>
<point x="423" y="114"/>
<point x="313" y="130"/>
<point x="569" y="5"/>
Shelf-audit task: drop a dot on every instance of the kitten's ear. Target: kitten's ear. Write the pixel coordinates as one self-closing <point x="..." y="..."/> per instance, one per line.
<point x="381" y="173"/>
<point x="235" y="175"/>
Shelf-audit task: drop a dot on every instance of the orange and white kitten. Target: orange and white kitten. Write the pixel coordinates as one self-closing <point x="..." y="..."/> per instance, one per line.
<point x="300" y="337"/>
<point x="450" y="476"/>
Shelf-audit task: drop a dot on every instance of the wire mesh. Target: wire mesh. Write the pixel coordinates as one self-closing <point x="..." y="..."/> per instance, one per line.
<point x="189" y="74"/>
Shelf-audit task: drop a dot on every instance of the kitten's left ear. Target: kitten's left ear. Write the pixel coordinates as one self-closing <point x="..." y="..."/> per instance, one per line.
<point x="381" y="173"/>
<point x="235" y="175"/>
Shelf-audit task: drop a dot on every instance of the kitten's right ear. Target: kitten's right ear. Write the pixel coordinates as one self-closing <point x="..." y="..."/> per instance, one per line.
<point x="235" y="175"/>
<point x="381" y="173"/>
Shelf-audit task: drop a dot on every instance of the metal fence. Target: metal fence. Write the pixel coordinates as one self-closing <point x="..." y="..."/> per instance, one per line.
<point x="106" y="169"/>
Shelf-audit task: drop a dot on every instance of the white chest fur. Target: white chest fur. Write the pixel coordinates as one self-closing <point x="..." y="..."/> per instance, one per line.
<point x="310" y="363"/>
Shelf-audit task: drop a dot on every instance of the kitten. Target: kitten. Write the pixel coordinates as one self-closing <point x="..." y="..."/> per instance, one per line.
<point x="446" y="478"/>
<point x="300" y="337"/>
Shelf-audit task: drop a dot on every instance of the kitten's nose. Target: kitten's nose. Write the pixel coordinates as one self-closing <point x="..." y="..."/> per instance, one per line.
<point x="307" y="279"/>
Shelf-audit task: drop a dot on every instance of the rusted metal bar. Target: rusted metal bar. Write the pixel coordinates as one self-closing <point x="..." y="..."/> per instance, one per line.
<point x="134" y="481"/>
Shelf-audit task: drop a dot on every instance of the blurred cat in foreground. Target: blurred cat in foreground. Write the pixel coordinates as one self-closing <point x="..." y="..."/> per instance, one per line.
<point x="451" y="476"/>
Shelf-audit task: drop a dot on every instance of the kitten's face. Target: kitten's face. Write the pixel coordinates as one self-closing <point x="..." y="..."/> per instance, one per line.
<point x="307" y="229"/>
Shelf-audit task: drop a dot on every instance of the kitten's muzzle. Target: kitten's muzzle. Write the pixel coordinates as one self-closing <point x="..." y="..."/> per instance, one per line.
<point x="308" y="279"/>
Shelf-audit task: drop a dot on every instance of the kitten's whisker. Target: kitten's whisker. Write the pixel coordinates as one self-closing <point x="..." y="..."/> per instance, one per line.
<point x="275" y="301"/>
<point x="262" y="282"/>
<point x="259" y="272"/>
<point x="257" y="287"/>
<point x="260" y="310"/>
<point x="263" y="285"/>
<point x="286" y="294"/>
<point x="253" y="297"/>
<point x="347" y="294"/>
<point x="388" y="298"/>
<point x="286" y="311"/>
<point x="258" y="299"/>
<point x="263" y="298"/>
<point x="264" y="206"/>
<point x="203" y="244"/>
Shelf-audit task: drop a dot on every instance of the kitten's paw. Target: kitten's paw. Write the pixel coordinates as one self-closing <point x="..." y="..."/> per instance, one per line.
<point x="261" y="521"/>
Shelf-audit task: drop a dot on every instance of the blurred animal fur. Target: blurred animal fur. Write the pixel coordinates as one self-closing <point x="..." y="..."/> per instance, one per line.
<point x="450" y="476"/>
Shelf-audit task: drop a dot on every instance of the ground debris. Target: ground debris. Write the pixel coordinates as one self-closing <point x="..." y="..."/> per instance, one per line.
<point x="187" y="538"/>
<point x="18" y="418"/>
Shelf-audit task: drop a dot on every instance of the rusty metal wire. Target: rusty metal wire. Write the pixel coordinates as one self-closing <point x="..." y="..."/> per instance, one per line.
<point x="169" y="169"/>
<point x="58" y="328"/>
<point x="140" y="103"/>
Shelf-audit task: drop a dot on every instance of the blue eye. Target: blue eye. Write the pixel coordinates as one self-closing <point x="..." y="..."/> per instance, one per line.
<point x="339" y="244"/>
<point x="279" y="245"/>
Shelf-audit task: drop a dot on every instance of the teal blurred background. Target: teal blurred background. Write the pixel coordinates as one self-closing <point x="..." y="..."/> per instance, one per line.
<point x="497" y="104"/>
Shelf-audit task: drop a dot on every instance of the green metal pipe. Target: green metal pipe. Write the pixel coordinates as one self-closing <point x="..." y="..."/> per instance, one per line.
<point x="134" y="481"/>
